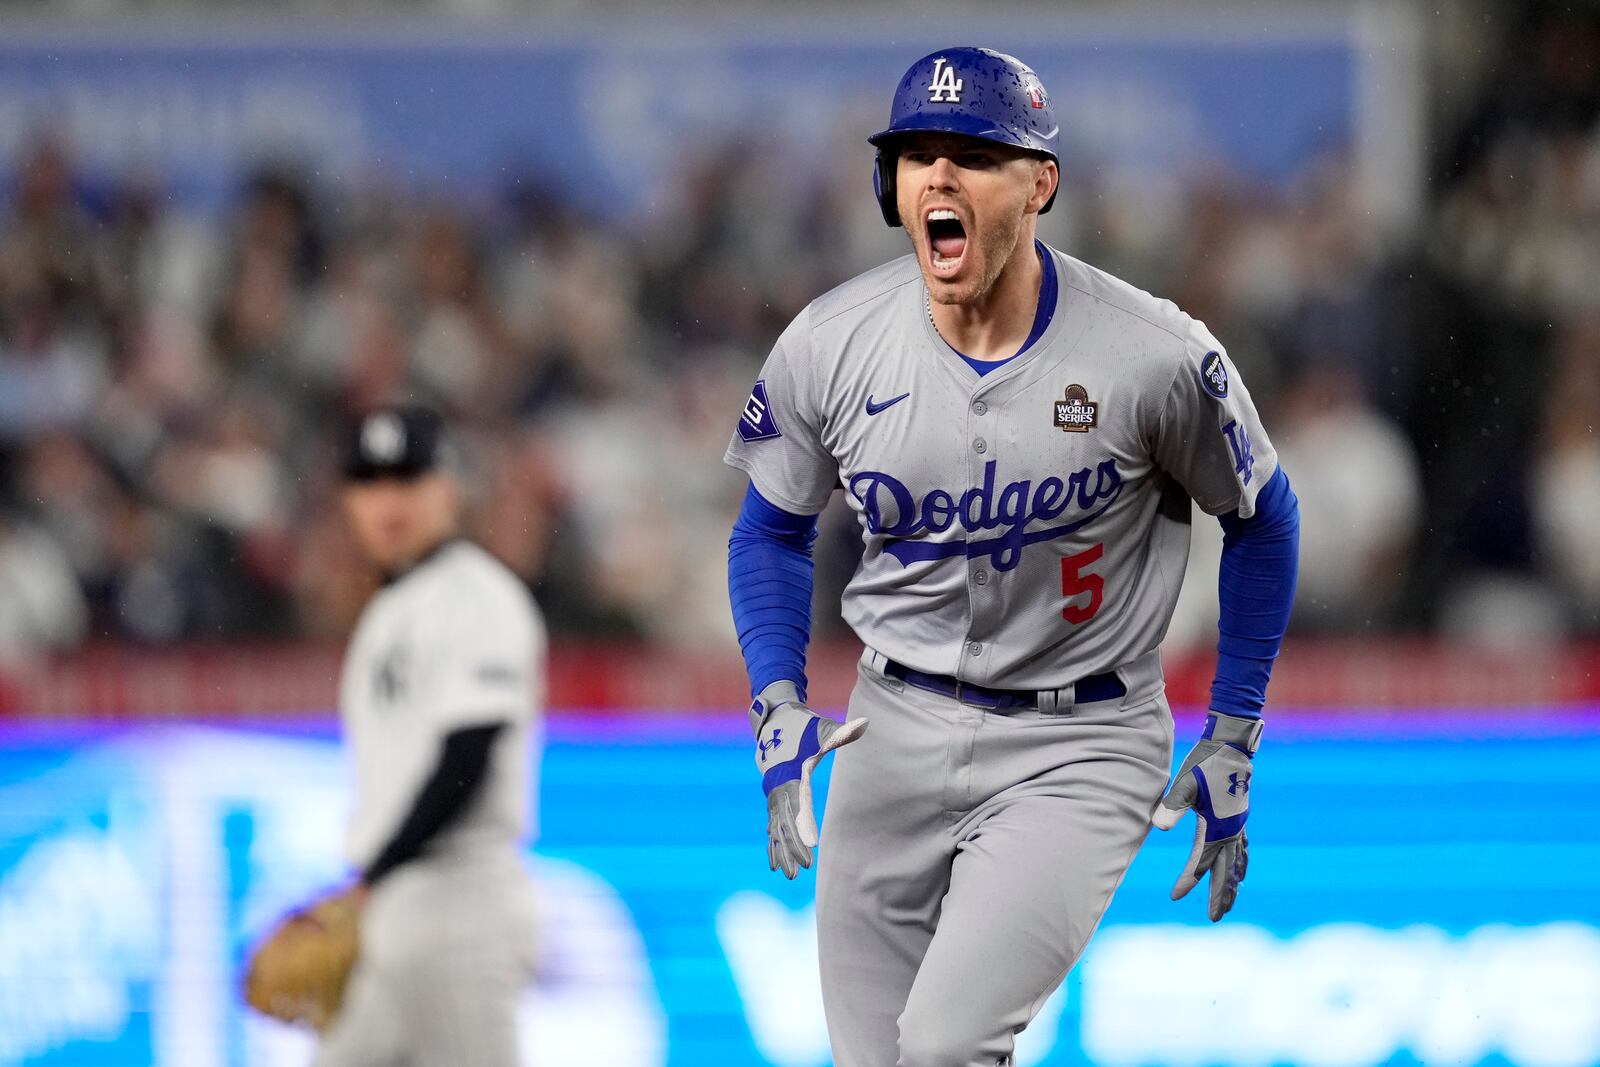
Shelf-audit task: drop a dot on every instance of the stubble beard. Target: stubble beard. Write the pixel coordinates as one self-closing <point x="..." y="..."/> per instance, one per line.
<point x="997" y="245"/>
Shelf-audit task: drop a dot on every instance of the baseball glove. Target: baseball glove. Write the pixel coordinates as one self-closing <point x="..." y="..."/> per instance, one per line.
<point x="298" y="973"/>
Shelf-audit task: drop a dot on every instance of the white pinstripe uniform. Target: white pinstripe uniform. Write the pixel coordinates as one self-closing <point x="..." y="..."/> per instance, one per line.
<point x="446" y="938"/>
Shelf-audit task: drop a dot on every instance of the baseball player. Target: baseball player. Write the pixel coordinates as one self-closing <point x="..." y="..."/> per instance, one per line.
<point x="1020" y="436"/>
<point x="438" y="697"/>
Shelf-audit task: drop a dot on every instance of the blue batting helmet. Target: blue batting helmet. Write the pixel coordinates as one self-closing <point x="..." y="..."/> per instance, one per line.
<point x="977" y="92"/>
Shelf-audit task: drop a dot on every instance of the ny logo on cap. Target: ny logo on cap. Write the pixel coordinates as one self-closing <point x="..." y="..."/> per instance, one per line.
<point x="946" y="87"/>
<point x="383" y="438"/>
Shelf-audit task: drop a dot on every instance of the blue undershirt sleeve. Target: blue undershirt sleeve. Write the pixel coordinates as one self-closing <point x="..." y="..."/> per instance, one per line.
<point x="1260" y="556"/>
<point x="770" y="574"/>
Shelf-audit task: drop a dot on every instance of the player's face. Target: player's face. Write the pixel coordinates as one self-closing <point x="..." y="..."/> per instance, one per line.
<point x="396" y="521"/>
<point x="968" y="204"/>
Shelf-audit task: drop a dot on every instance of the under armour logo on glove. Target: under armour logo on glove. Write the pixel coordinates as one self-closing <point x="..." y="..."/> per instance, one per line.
<point x="770" y="743"/>
<point x="788" y="758"/>
<point x="1237" y="785"/>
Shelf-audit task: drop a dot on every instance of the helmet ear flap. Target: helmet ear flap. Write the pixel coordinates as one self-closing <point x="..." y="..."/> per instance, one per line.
<point x="883" y="171"/>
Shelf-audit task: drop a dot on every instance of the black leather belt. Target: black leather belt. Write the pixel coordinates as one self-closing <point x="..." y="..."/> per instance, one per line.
<point x="1086" y="690"/>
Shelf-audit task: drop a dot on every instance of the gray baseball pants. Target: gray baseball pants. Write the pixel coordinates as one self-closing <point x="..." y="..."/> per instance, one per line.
<point x="967" y="857"/>
<point x="446" y="951"/>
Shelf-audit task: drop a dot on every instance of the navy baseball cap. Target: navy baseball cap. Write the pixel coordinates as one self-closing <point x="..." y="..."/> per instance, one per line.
<point x="394" y="441"/>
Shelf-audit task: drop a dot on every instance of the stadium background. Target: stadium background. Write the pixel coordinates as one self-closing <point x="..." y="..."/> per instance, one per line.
<point x="578" y="230"/>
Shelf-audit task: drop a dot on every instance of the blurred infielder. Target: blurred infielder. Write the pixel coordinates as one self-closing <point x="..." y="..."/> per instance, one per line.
<point x="1020" y="436"/>
<point x="438" y="698"/>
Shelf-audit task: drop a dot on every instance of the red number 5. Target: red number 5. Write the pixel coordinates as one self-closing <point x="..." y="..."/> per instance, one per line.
<point x="1074" y="581"/>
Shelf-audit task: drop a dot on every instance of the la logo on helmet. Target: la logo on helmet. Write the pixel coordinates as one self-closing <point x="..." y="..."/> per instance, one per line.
<point x="946" y="87"/>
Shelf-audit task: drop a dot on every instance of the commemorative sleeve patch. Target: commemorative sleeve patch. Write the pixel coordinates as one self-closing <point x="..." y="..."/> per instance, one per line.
<point x="501" y="674"/>
<point x="756" y="422"/>
<point x="1214" y="375"/>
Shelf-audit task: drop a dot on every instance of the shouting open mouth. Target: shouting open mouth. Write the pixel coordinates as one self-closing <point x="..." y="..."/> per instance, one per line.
<point x="947" y="241"/>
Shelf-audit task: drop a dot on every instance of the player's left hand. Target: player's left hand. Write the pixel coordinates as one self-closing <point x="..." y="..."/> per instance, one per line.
<point x="1214" y="780"/>
<point x="790" y="741"/>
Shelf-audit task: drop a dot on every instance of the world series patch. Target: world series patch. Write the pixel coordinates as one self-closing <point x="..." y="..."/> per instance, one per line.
<point x="1077" y="413"/>
<point x="1214" y="375"/>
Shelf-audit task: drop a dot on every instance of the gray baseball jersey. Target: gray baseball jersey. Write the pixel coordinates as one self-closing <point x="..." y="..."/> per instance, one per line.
<point x="1026" y="527"/>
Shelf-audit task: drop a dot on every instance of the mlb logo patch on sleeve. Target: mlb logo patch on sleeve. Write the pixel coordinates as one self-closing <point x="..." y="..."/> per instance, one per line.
<point x="756" y="422"/>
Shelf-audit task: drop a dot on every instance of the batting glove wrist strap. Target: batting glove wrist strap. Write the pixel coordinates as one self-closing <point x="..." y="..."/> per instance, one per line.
<point x="1235" y="730"/>
<point x="773" y="696"/>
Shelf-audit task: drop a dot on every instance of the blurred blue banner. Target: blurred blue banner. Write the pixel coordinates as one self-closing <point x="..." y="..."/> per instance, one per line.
<point x="1421" y="891"/>
<point x="609" y="115"/>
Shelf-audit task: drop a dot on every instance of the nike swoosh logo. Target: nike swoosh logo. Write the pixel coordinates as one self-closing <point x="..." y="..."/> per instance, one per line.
<point x="873" y="409"/>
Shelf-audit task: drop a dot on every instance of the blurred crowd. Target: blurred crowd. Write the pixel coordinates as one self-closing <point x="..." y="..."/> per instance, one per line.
<point x="169" y="383"/>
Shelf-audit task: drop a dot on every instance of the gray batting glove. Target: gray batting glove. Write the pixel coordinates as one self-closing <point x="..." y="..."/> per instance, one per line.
<point x="1214" y="780"/>
<point x="790" y="742"/>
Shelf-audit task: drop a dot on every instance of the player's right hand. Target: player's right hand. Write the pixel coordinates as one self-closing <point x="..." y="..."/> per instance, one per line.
<point x="790" y="741"/>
